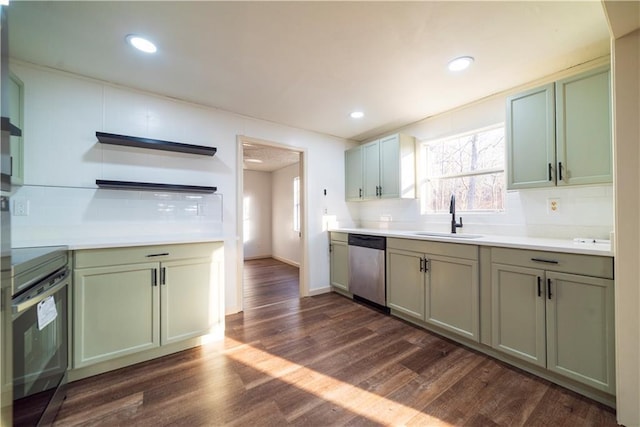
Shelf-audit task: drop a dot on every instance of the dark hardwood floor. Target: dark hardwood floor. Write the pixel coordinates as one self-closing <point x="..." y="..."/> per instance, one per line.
<point x="323" y="361"/>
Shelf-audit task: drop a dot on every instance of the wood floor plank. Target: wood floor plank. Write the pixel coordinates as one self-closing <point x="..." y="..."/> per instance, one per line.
<point x="322" y="361"/>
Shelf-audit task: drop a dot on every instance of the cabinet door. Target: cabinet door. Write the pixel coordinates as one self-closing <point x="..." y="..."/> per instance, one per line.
<point x="531" y="138"/>
<point x="405" y="282"/>
<point x="518" y="312"/>
<point x="452" y="298"/>
<point x="390" y="167"/>
<point x="353" y="164"/>
<point x="583" y="120"/>
<point x="340" y="265"/>
<point x="580" y="329"/>
<point x="115" y="312"/>
<point x="16" y="108"/>
<point x="188" y="306"/>
<point x="371" y="171"/>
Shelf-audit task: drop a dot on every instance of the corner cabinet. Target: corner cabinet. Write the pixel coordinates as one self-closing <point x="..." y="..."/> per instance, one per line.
<point x="560" y="133"/>
<point x="556" y="311"/>
<point x="339" y="260"/>
<point x="381" y="169"/>
<point x="434" y="282"/>
<point x="128" y="300"/>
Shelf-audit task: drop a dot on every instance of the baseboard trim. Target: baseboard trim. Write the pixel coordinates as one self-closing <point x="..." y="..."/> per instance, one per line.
<point x="286" y="261"/>
<point x="314" y="292"/>
<point x="251" y="258"/>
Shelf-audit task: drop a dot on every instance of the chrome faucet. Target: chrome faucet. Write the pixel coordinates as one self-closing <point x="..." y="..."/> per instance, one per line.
<point x="452" y="211"/>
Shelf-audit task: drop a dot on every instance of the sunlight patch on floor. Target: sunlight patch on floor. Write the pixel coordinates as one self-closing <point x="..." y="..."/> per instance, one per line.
<point x="348" y="396"/>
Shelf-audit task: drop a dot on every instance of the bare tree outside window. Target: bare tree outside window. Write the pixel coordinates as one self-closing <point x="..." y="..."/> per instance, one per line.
<point x="471" y="166"/>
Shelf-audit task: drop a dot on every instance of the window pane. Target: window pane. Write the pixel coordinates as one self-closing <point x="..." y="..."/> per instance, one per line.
<point x="473" y="193"/>
<point x="458" y="155"/>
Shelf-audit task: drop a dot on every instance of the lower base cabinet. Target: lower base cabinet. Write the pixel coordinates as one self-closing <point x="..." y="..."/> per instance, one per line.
<point x="124" y="304"/>
<point x="560" y="321"/>
<point x="339" y="260"/>
<point x="437" y="283"/>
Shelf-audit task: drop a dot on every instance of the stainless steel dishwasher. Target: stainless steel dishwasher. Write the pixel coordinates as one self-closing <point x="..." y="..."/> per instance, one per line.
<point x="367" y="269"/>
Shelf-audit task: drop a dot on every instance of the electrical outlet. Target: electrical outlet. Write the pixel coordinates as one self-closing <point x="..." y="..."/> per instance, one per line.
<point x="20" y="207"/>
<point x="553" y="206"/>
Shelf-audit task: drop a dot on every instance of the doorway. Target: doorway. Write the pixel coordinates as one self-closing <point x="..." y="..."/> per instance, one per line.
<point x="271" y="218"/>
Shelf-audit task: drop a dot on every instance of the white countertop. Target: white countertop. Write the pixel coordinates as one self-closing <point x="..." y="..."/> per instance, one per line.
<point x="120" y="241"/>
<point x="601" y="248"/>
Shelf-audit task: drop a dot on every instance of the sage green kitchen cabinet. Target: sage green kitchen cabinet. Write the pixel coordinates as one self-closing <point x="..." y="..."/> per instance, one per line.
<point x="558" y="320"/>
<point x="531" y="145"/>
<point x="339" y="260"/>
<point x="518" y="313"/>
<point x="583" y="128"/>
<point x="354" y="167"/>
<point x="406" y="282"/>
<point x="560" y="133"/>
<point x="16" y="117"/>
<point x="116" y="312"/>
<point x="384" y="168"/>
<point x="187" y="304"/>
<point x="452" y="300"/>
<point x="435" y="282"/>
<point x="128" y="300"/>
<point x="580" y="329"/>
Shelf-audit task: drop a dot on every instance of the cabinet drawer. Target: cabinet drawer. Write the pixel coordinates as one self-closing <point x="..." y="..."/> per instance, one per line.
<point x="586" y="265"/>
<point x="435" y="248"/>
<point x="133" y="255"/>
<point x="339" y="237"/>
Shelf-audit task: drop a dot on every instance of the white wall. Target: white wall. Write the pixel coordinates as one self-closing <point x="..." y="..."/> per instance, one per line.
<point x="257" y="214"/>
<point x="626" y="101"/>
<point x="62" y="114"/>
<point x="286" y="242"/>
<point x="585" y="211"/>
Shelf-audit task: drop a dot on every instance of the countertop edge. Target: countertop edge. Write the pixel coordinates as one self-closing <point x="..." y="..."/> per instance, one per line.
<point x="95" y="244"/>
<point x="516" y="242"/>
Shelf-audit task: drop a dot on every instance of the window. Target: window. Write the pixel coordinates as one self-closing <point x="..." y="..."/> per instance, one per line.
<point x="470" y="166"/>
<point x="296" y="204"/>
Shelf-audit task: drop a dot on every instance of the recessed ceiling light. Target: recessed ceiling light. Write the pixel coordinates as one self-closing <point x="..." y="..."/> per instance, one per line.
<point x="460" y="64"/>
<point x="253" y="160"/>
<point x="356" y="115"/>
<point x="141" y="43"/>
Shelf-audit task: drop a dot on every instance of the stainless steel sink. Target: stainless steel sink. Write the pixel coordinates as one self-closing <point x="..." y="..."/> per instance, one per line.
<point x="449" y="235"/>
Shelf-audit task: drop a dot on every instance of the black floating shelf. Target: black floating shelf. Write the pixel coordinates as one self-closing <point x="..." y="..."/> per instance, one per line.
<point x="151" y="186"/>
<point x="155" y="144"/>
<point x="13" y="129"/>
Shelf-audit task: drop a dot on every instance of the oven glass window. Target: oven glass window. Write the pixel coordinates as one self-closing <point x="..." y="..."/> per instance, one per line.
<point x="39" y="360"/>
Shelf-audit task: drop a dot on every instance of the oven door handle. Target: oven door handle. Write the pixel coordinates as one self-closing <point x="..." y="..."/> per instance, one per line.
<point x="24" y="305"/>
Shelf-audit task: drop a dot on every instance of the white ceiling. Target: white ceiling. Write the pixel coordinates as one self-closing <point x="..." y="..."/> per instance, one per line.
<point x="308" y="64"/>
<point x="266" y="158"/>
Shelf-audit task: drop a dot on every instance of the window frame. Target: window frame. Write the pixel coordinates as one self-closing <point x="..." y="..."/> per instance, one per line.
<point x="296" y="204"/>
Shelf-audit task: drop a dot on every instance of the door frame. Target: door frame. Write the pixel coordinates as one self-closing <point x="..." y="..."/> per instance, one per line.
<point x="304" y="269"/>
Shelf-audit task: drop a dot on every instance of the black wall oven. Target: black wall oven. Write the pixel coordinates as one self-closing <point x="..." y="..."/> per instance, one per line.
<point x="40" y="335"/>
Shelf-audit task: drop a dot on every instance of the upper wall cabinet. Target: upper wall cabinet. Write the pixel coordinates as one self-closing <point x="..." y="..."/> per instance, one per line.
<point x="560" y="133"/>
<point x="16" y="118"/>
<point x="381" y="169"/>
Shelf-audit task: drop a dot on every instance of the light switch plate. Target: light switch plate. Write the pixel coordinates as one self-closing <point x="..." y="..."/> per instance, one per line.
<point x="20" y="207"/>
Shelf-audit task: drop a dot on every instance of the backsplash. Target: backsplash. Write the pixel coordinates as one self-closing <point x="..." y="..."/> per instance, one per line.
<point x="63" y="215"/>
<point x="581" y="211"/>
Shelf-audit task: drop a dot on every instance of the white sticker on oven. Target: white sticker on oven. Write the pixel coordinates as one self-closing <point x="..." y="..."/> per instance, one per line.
<point x="47" y="312"/>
